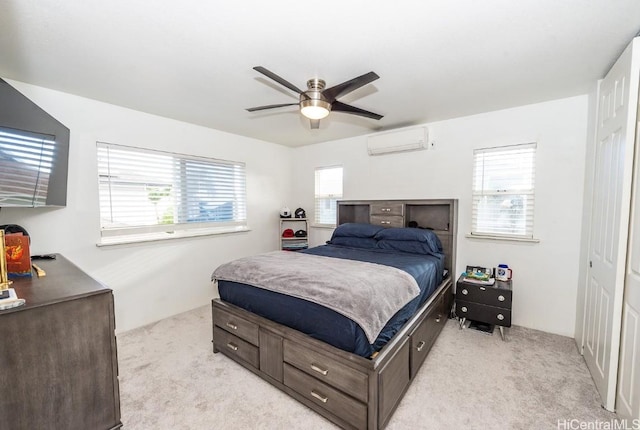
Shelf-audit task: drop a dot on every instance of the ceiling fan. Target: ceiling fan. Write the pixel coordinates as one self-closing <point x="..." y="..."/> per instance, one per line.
<point x="317" y="101"/>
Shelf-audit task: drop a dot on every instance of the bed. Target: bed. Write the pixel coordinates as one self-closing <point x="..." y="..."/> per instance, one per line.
<point x="349" y="365"/>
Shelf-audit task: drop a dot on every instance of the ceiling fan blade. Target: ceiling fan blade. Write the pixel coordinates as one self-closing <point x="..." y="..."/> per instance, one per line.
<point x="278" y="79"/>
<point x="253" y="109"/>
<point x="342" y="107"/>
<point x="315" y="123"/>
<point x="346" y="87"/>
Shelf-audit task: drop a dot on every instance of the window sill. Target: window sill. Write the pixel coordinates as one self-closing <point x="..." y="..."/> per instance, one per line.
<point x="178" y="234"/>
<point x="502" y="238"/>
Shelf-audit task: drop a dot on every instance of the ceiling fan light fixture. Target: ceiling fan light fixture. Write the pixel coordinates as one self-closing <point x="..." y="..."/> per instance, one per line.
<point x="315" y="108"/>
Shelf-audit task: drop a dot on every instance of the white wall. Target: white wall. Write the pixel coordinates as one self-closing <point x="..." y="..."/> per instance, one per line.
<point x="545" y="273"/>
<point x="153" y="280"/>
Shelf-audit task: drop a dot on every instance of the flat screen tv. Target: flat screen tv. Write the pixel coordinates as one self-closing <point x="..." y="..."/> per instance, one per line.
<point x="34" y="153"/>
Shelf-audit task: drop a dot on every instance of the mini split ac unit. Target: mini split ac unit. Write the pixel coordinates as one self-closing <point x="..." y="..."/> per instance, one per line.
<point x="409" y="139"/>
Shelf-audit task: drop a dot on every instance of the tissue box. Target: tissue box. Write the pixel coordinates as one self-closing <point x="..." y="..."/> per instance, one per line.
<point x="16" y="248"/>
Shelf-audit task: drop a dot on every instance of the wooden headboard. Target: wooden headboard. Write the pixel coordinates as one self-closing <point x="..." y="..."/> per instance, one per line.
<point x="440" y="215"/>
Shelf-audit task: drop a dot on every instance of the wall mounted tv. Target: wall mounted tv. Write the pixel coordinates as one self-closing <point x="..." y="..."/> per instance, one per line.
<point x="34" y="153"/>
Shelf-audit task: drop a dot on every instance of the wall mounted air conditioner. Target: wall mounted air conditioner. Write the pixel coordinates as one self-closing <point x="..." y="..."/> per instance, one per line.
<point x="408" y="139"/>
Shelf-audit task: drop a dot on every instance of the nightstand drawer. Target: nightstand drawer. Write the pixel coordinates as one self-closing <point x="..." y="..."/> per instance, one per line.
<point x="236" y="326"/>
<point x="483" y="313"/>
<point x="485" y="294"/>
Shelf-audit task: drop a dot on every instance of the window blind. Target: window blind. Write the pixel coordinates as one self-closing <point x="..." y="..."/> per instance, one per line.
<point x="328" y="190"/>
<point x="147" y="192"/>
<point x="503" y="191"/>
<point x="26" y="160"/>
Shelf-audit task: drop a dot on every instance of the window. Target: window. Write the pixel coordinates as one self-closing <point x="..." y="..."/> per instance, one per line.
<point x="328" y="192"/>
<point x="149" y="195"/>
<point x="503" y="191"/>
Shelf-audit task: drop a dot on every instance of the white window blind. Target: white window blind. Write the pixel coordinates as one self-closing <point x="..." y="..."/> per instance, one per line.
<point x="328" y="192"/>
<point x="26" y="160"/>
<point x="147" y="194"/>
<point x="503" y="191"/>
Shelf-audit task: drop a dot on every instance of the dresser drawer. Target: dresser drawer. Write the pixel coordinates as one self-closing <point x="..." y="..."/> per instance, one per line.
<point x="387" y="209"/>
<point x="387" y="220"/>
<point x="328" y="370"/>
<point x="328" y="398"/>
<point x="232" y="345"/>
<point x="485" y="294"/>
<point x="483" y="313"/>
<point x="235" y="325"/>
<point x="424" y="336"/>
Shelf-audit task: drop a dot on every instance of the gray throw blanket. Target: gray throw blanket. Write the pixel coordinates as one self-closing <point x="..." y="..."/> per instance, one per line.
<point x="367" y="293"/>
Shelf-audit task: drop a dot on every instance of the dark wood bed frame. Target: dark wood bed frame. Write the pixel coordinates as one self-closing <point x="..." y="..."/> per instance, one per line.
<point x="352" y="391"/>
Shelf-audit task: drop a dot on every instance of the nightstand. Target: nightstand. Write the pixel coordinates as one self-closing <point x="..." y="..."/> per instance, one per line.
<point x="489" y="304"/>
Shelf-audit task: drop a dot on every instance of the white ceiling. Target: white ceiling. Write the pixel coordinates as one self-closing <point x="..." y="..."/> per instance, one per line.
<point x="192" y="59"/>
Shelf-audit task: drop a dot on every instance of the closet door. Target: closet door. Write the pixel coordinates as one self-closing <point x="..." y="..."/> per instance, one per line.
<point x="628" y="393"/>
<point x="615" y="136"/>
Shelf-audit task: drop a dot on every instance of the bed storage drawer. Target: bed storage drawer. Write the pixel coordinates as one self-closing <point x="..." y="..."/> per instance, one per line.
<point x="235" y="325"/>
<point x="234" y="346"/>
<point x="326" y="397"/>
<point x="393" y="380"/>
<point x="327" y="370"/>
<point x="424" y="336"/>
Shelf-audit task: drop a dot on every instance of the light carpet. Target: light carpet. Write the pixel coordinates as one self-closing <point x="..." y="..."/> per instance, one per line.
<point x="170" y="379"/>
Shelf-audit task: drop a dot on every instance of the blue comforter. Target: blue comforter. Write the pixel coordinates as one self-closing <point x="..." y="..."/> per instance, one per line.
<point x="327" y="325"/>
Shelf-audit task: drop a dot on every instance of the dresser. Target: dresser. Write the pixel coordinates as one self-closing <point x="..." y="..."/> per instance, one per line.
<point x="489" y="304"/>
<point x="58" y="356"/>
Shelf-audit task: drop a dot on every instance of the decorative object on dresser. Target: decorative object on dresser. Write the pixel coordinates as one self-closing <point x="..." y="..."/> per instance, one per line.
<point x="58" y="353"/>
<point x="4" y="273"/>
<point x="488" y="304"/>
<point x="8" y="297"/>
<point x="351" y="390"/>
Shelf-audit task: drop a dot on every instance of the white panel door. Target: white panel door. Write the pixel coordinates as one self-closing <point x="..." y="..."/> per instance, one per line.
<point x="609" y="228"/>
<point x="628" y="393"/>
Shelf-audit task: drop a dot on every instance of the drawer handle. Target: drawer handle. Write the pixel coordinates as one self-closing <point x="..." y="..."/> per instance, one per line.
<point x="501" y="298"/>
<point x="385" y="222"/>
<point x="319" y="396"/>
<point x="438" y="318"/>
<point x="232" y="346"/>
<point x="319" y="369"/>
<point x="386" y="209"/>
<point x="465" y="292"/>
<point x="232" y="326"/>
<point x="464" y="309"/>
<point x="500" y="317"/>
<point x="420" y="346"/>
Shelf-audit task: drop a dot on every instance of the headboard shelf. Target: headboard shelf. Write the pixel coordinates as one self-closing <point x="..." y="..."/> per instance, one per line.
<point x="439" y="215"/>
